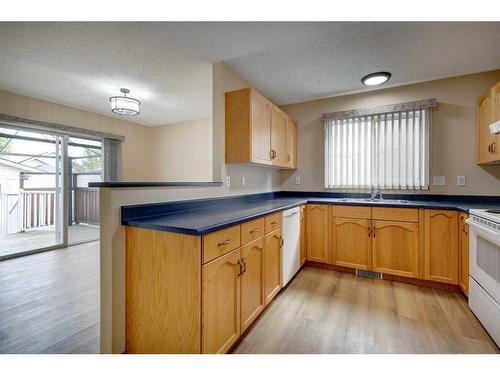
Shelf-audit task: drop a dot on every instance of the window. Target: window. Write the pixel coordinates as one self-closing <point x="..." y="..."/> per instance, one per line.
<point x="388" y="150"/>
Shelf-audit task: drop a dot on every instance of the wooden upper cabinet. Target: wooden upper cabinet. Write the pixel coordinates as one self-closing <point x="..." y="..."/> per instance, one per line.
<point x="221" y="303"/>
<point x="252" y="289"/>
<point x="291" y="144"/>
<point x="317" y="233"/>
<point x="488" y="111"/>
<point x="272" y="264"/>
<point x="441" y="246"/>
<point x="395" y="248"/>
<point x="351" y="243"/>
<point x="303" y="216"/>
<point x="256" y="130"/>
<point x="463" y="239"/>
<point x="278" y="137"/>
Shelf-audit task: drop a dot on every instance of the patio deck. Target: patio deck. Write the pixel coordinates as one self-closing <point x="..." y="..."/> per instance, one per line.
<point x="38" y="238"/>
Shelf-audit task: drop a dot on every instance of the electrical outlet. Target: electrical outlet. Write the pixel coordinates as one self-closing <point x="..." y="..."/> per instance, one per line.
<point x="461" y="181"/>
<point x="243" y="181"/>
<point x="439" y="180"/>
<point x="228" y="181"/>
<point x="297" y="180"/>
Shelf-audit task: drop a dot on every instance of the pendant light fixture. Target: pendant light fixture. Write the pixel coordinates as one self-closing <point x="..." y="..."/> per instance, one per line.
<point x="123" y="105"/>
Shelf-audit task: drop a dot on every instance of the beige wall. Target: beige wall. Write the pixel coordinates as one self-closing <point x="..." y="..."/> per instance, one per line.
<point x="136" y="150"/>
<point x="453" y="133"/>
<point x="182" y="151"/>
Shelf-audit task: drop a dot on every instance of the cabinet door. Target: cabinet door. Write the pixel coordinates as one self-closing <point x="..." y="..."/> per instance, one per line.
<point x="317" y="233"/>
<point x="272" y="265"/>
<point x="303" y="216"/>
<point x="495" y="149"/>
<point x="485" y="140"/>
<point x="278" y="137"/>
<point x="260" y="129"/>
<point x="252" y="290"/>
<point x="463" y="239"/>
<point x="221" y="303"/>
<point x="351" y="240"/>
<point x="441" y="246"/>
<point x="291" y="144"/>
<point x="395" y="248"/>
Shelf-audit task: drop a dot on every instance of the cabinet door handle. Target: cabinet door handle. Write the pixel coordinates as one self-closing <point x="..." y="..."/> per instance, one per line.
<point x="493" y="147"/>
<point x="369" y="231"/>
<point x="273" y="154"/>
<point x="244" y="265"/>
<point x="241" y="268"/>
<point x="373" y="231"/>
<point x="224" y="242"/>
<point x="288" y="158"/>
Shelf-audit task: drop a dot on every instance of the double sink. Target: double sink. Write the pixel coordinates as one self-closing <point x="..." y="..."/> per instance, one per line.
<point x="373" y="200"/>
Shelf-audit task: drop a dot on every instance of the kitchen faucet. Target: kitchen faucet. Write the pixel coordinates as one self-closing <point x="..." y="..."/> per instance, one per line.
<point x="375" y="193"/>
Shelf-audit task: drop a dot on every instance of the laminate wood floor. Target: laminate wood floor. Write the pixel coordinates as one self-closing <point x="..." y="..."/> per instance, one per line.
<point x="49" y="302"/>
<point x="324" y="311"/>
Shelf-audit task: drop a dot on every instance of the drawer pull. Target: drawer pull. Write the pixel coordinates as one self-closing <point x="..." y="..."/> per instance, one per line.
<point x="274" y="222"/>
<point x="255" y="230"/>
<point x="224" y="242"/>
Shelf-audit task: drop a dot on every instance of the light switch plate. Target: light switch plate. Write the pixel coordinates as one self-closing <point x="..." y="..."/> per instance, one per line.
<point x="461" y="181"/>
<point x="297" y="180"/>
<point x="439" y="180"/>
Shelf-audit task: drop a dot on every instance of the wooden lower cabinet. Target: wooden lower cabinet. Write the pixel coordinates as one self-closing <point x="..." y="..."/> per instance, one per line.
<point x="162" y="292"/>
<point x="317" y="233"/>
<point x="463" y="239"/>
<point x="221" y="303"/>
<point x="441" y="246"/>
<point x="252" y="288"/>
<point x="351" y="243"/>
<point x="272" y="265"/>
<point x="303" y="254"/>
<point x="395" y="247"/>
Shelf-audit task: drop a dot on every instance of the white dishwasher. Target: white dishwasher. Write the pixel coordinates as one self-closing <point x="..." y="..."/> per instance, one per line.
<point x="290" y="252"/>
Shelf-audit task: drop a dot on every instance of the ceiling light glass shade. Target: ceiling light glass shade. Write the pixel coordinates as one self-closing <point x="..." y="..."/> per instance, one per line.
<point x="123" y="105"/>
<point x="375" y="79"/>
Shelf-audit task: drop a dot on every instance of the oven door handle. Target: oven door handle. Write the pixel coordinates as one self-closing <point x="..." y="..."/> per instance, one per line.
<point x="493" y="235"/>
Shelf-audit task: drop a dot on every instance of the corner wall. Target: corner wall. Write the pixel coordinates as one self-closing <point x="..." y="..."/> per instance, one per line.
<point x="452" y="137"/>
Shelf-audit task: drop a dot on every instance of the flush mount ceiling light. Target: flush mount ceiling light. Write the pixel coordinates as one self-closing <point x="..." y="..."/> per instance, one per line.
<point x="124" y="105"/>
<point x="376" y="79"/>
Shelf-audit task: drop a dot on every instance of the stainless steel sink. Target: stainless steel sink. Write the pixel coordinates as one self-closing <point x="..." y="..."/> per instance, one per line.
<point x="373" y="200"/>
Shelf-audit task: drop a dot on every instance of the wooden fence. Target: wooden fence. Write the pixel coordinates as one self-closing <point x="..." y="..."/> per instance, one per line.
<point x="32" y="209"/>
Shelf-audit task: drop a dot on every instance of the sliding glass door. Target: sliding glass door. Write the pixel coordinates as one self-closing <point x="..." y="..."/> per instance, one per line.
<point x="44" y="199"/>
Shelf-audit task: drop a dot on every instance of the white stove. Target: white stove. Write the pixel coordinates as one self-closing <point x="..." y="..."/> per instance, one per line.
<point x="484" y="268"/>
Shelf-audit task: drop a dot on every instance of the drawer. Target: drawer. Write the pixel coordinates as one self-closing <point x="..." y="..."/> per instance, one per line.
<point x="353" y="212"/>
<point x="273" y="222"/>
<point x="395" y="214"/>
<point x="221" y="242"/>
<point x="252" y="230"/>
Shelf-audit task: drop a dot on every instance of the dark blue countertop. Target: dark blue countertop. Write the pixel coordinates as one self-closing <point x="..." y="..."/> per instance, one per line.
<point x="202" y="216"/>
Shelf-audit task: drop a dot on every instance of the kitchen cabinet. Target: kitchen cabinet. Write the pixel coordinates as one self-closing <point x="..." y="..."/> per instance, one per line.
<point x="221" y="302"/>
<point x="278" y="137"/>
<point x="463" y="239"/>
<point x="351" y="240"/>
<point x="488" y="111"/>
<point x="303" y="218"/>
<point x="258" y="131"/>
<point x="252" y="289"/>
<point x="291" y="143"/>
<point x="441" y="246"/>
<point x="317" y="240"/>
<point x="272" y="265"/>
<point x="248" y="127"/>
<point x="395" y="248"/>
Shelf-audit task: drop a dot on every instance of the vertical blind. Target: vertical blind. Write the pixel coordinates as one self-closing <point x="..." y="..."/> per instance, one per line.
<point x="384" y="151"/>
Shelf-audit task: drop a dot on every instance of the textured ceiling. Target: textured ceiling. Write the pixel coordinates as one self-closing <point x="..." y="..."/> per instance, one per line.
<point x="168" y="65"/>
